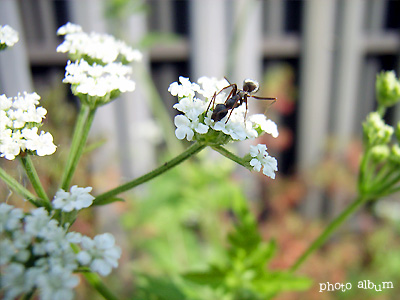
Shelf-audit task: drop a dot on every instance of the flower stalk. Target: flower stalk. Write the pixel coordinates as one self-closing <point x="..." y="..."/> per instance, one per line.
<point x="18" y="188"/>
<point x="82" y="127"/>
<point x="96" y="282"/>
<point x="332" y="227"/>
<point x="228" y="154"/>
<point x="33" y="177"/>
<point x="189" y="152"/>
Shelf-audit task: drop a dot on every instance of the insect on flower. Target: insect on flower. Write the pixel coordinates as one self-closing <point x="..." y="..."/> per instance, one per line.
<point x="235" y="99"/>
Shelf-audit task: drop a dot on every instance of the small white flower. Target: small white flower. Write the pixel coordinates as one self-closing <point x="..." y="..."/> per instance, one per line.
<point x="191" y="107"/>
<point x="265" y="124"/>
<point x="186" y="128"/>
<point x="10" y="217"/>
<point x="264" y="160"/>
<point x="57" y="284"/>
<point x="14" y="282"/>
<point x="7" y="251"/>
<point x="37" y="221"/>
<point x="210" y="86"/>
<point x="42" y="144"/>
<point x="100" y="254"/>
<point x="8" y="36"/>
<point x="184" y="89"/>
<point x="76" y="199"/>
<point x="68" y="29"/>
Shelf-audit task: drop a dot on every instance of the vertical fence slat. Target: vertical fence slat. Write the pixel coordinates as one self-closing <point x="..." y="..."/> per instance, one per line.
<point x="208" y="38"/>
<point x="15" y="74"/>
<point x="315" y="89"/>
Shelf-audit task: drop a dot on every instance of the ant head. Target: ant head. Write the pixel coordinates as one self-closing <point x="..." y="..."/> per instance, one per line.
<point x="250" y="86"/>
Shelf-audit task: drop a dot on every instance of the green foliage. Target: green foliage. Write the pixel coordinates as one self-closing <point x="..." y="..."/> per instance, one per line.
<point x="243" y="274"/>
<point x="178" y="227"/>
<point x="158" y="289"/>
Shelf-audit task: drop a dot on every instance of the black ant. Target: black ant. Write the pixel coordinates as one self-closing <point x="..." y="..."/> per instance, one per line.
<point x="235" y="98"/>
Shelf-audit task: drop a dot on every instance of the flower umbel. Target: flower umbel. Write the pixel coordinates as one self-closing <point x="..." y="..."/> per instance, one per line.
<point x="261" y="159"/>
<point x="8" y="37"/>
<point x="20" y="119"/>
<point x="194" y="124"/>
<point x="195" y="102"/>
<point x="95" y="47"/>
<point x="36" y="253"/>
<point x="97" y="84"/>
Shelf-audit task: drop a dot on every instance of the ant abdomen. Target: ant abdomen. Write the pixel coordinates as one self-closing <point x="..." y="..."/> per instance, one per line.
<point x="219" y="112"/>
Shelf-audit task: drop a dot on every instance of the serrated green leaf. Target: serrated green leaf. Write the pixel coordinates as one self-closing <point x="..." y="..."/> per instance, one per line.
<point x="262" y="254"/>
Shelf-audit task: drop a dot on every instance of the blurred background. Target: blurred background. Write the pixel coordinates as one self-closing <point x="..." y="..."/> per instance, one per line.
<point x="318" y="57"/>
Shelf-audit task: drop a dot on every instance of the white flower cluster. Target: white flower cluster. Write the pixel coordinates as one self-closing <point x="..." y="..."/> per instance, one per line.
<point x="261" y="158"/>
<point x="8" y="36"/>
<point x="97" y="71"/>
<point x="97" y="80"/>
<point x="102" y="48"/>
<point x="19" y="123"/>
<point x="194" y="124"/>
<point x="36" y="253"/>
<point x="76" y="199"/>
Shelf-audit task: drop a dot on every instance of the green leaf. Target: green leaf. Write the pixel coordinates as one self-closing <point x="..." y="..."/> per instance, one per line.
<point x="108" y="201"/>
<point x="262" y="254"/>
<point x="276" y="282"/>
<point x="157" y="288"/>
<point x="214" y="277"/>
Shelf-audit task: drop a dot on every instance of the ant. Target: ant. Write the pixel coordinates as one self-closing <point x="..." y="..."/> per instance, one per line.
<point x="235" y="98"/>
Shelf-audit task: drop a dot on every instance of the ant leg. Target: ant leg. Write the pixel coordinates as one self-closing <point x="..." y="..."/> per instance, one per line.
<point x="233" y="91"/>
<point x="247" y="108"/>
<point x="233" y="107"/>
<point x="212" y="101"/>
<point x="264" y="98"/>
<point x="273" y="99"/>
<point x="233" y="86"/>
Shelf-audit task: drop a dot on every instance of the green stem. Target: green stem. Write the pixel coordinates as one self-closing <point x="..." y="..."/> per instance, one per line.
<point x="386" y="171"/>
<point x="29" y="295"/>
<point x="364" y="171"/>
<point x="381" y="110"/>
<point x="387" y="185"/>
<point x="328" y="231"/>
<point x="96" y="282"/>
<point x="392" y="191"/>
<point x="33" y="177"/>
<point x="80" y="122"/>
<point x="83" y="124"/>
<point x="192" y="150"/>
<point x="18" y="188"/>
<point x="231" y="156"/>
